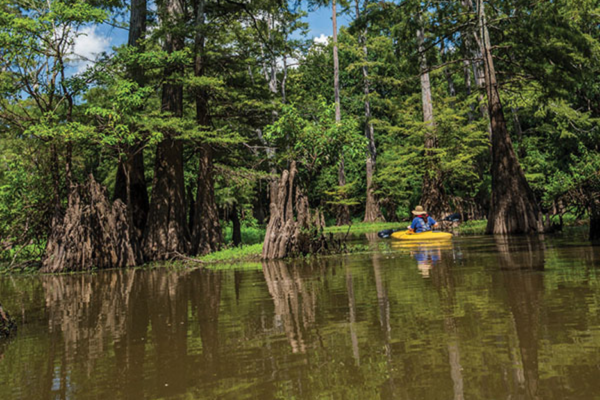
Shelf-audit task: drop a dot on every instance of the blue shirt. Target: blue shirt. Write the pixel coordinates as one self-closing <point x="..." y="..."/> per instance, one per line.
<point x="419" y="225"/>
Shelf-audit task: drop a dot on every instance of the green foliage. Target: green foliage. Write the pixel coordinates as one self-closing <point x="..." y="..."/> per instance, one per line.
<point x="58" y="125"/>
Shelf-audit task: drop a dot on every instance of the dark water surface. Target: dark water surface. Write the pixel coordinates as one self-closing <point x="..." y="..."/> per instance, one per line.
<point x="477" y="318"/>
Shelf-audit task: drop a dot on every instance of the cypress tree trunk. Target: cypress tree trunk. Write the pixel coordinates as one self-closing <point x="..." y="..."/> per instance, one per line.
<point x="166" y="232"/>
<point x="207" y="235"/>
<point x="94" y="233"/>
<point x="293" y="229"/>
<point x="476" y="64"/>
<point x="433" y="195"/>
<point x="343" y="217"/>
<point x="237" y="227"/>
<point x="372" y="210"/>
<point x="513" y="206"/>
<point x="130" y="185"/>
<point x="206" y="231"/>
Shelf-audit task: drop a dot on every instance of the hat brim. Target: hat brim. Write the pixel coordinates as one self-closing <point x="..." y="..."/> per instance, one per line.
<point x="419" y="212"/>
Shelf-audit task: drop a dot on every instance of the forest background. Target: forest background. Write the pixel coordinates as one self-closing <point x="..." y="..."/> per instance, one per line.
<point x="224" y="113"/>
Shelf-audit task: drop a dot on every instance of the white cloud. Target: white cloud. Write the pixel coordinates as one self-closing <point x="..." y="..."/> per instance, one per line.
<point x="323" y="39"/>
<point x="87" y="46"/>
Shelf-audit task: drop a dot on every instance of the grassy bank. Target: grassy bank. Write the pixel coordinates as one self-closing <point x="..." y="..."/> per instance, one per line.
<point x="365" y="227"/>
<point x="234" y="254"/>
<point x="472" y="227"/>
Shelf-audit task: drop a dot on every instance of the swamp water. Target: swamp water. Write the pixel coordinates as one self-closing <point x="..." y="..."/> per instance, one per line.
<point x="475" y="318"/>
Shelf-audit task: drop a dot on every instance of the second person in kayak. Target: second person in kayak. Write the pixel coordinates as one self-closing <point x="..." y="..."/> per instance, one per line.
<point x="422" y="221"/>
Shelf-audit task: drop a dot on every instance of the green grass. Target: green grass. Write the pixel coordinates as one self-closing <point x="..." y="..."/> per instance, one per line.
<point x="234" y="254"/>
<point x="472" y="227"/>
<point x="365" y="227"/>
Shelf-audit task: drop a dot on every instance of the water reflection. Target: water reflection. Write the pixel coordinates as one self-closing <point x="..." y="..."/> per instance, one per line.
<point x="521" y="260"/>
<point x="352" y="312"/>
<point x="493" y="318"/>
<point x="295" y="301"/>
<point x="427" y="255"/>
<point x="137" y="315"/>
<point x="383" y="302"/>
<point x="443" y="279"/>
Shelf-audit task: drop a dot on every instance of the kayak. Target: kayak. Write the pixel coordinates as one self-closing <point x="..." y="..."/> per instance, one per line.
<point x="423" y="236"/>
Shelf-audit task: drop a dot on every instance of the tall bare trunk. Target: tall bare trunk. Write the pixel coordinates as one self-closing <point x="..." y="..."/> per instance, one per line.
<point x="343" y="217"/>
<point x="476" y="54"/>
<point x="206" y="231"/>
<point x="433" y="196"/>
<point x="131" y="167"/>
<point x="166" y="232"/>
<point x="207" y="234"/>
<point x="513" y="207"/>
<point x="236" y="227"/>
<point x="372" y="210"/>
<point x="518" y="131"/>
<point x="336" y="65"/>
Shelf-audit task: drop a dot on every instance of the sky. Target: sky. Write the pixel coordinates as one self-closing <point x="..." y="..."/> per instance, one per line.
<point x="98" y="39"/>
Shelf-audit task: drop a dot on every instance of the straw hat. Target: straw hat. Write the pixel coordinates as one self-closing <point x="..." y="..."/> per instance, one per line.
<point x="419" y="211"/>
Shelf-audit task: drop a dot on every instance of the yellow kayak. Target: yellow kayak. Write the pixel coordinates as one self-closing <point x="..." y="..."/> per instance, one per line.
<point x="423" y="236"/>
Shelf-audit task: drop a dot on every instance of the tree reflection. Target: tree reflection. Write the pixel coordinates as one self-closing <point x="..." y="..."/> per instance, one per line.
<point x="295" y="301"/>
<point x="383" y="304"/>
<point x="441" y="273"/>
<point x="143" y="316"/>
<point x="521" y="260"/>
<point x="352" y="313"/>
<point x="206" y="299"/>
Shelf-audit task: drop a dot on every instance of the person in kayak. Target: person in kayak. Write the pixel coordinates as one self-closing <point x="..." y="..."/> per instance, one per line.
<point x="422" y="221"/>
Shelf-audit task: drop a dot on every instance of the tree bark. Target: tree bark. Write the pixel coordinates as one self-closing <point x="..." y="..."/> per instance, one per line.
<point x="207" y="234"/>
<point x="518" y="131"/>
<point x="94" y="233"/>
<point x="292" y="228"/>
<point x="433" y="194"/>
<point x="134" y="193"/>
<point x="206" y="231"/>
<point x="372" y="209"/>
<point x="166" y="232"/>
<point x="336" y="64"/>
<point x="343" y="217"/>
<point x="130" y="187"/>
<point x="478" y="73"/>
<point x="236" y="236"/>
<point x="513" y="206"/>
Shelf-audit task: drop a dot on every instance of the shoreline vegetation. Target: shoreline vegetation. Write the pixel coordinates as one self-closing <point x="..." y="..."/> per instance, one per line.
<point x="250" y="249"/>
<point x="252" y="237"/>
<point x="249" y="252"/>
<point x="230" y="113"/>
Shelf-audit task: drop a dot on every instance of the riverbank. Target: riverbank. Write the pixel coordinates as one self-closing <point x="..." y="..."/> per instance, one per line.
<point x="251" y="252"/>
<point x="252" y="240"/>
